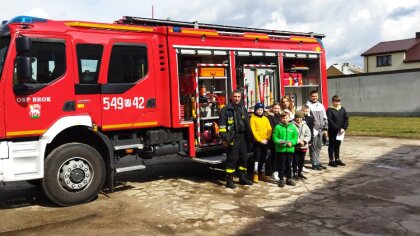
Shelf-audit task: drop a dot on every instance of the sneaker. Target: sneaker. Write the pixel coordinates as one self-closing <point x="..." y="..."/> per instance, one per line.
<point x="317" y="167"/>
<point x="275" y="176"/>
<point x="301" y="176"/>
<point x="281" y="183"/>
<point x="339" y="162"/>
<point x="304" y="170"/>
<point x="322" y="167"/>
<point x="295" y="177"/>
<point x="332" y="163"/>
<point x="290" y="182"/>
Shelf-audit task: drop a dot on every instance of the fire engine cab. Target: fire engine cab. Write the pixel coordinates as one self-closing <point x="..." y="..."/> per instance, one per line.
<point x="82" y="101"/>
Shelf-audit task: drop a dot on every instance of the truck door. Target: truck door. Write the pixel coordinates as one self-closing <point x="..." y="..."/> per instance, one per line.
<point x="4" y="46"/>
<point x="35" y="105"/>
<point x="89" y="64"/>
<point x="129" y="94"/>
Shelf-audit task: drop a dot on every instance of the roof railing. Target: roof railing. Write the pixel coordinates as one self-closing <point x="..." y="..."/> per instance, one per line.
<point x="225" y="29"/>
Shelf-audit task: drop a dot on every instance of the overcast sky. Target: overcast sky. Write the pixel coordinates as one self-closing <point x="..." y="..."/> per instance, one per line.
<point x="351" y="27"/>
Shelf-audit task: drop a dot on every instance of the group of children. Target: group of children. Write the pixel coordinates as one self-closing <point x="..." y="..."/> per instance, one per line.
<point x="288" y="140"/>
<point x="288" y="134"/>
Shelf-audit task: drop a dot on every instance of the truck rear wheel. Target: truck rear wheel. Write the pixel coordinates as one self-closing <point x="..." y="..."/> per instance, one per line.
<point x="74" y="174"/>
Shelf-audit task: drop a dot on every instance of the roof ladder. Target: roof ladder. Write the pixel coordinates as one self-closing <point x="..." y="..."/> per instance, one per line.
<point x="232" y="29"/>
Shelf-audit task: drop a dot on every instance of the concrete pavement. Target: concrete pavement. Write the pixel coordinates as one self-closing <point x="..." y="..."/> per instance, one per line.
<point x="376" y="193"/>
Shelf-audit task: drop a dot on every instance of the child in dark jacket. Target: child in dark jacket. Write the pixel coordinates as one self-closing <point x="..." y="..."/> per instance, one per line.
<point x="338" y="122"/>
<point x="285" y="137"/>
<point x="271" y="166"/>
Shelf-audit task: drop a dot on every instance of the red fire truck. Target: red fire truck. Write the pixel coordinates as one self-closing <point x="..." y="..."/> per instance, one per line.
<point x="82" y="101"/>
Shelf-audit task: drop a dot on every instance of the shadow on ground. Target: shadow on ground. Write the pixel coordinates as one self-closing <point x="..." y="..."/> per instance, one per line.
<point x="23" y="193"/>
<point x="379" y="197"/>
<point x="377" y="193"/>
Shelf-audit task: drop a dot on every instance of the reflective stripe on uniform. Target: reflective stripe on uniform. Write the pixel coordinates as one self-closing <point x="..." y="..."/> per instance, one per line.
<point x="241" y="168"/>
<point x="222" y="130"/>
<point x="230" y="171"/>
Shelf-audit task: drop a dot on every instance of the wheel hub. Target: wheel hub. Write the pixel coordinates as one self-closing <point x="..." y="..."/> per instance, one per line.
<point x="75" y="174"/>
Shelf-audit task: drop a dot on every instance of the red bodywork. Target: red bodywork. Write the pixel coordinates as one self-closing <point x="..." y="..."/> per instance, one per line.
<point x="161" y="82"/>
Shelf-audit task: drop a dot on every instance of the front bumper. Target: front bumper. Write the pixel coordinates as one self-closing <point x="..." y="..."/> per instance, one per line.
<point x="4" y="155"/>
<point x="1" y="170"/>
<point x="20" y="161"/>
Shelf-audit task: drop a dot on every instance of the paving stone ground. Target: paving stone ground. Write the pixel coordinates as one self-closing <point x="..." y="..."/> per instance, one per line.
<point x="376" y="193"/>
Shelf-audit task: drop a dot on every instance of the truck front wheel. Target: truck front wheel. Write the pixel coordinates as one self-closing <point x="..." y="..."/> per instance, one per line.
<point x="74" y="174"/>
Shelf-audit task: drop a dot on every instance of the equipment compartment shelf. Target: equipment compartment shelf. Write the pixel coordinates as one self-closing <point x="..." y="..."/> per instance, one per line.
<point x="218" y="78"/>
<point x="211" y="96"/>
<point x="209" y="118"/>
<point x="296" y="68"/>
<point x="301" y="86"/>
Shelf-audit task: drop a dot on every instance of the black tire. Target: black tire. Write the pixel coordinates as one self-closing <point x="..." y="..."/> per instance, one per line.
<point x="74" y="174"/>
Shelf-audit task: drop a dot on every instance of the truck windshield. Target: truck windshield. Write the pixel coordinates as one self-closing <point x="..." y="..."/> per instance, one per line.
<point x="4" y="45"/>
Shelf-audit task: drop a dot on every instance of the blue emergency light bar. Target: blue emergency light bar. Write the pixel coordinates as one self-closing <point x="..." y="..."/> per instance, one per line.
<point x="26" y="19"/>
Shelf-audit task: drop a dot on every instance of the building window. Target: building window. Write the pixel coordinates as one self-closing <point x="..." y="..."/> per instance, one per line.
<point x="384" y="60"/>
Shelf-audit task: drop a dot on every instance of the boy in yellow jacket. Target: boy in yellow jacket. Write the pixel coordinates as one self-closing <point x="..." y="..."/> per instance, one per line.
<point x="261" y="131"/>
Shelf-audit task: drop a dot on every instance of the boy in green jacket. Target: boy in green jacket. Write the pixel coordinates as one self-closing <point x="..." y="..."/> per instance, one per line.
<point x="285" y="137"/>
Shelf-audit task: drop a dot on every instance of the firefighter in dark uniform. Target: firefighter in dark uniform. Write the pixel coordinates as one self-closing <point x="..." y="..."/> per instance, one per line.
<point x="235" y="133"/>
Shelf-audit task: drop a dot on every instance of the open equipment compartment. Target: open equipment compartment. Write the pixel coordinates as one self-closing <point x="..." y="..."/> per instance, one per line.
<point x="302" y="74"/>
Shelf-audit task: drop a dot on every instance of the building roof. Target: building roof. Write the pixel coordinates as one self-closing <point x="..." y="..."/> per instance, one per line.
<point x="391" y="46"/>
<point x="413" y="55"/>
<point x="410" y="46"/>
<point x="344" y="69"/>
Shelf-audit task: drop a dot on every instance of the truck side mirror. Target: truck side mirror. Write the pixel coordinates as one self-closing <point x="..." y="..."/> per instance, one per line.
<point x="23" y="44"/>
<point x="23" y="69"/>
